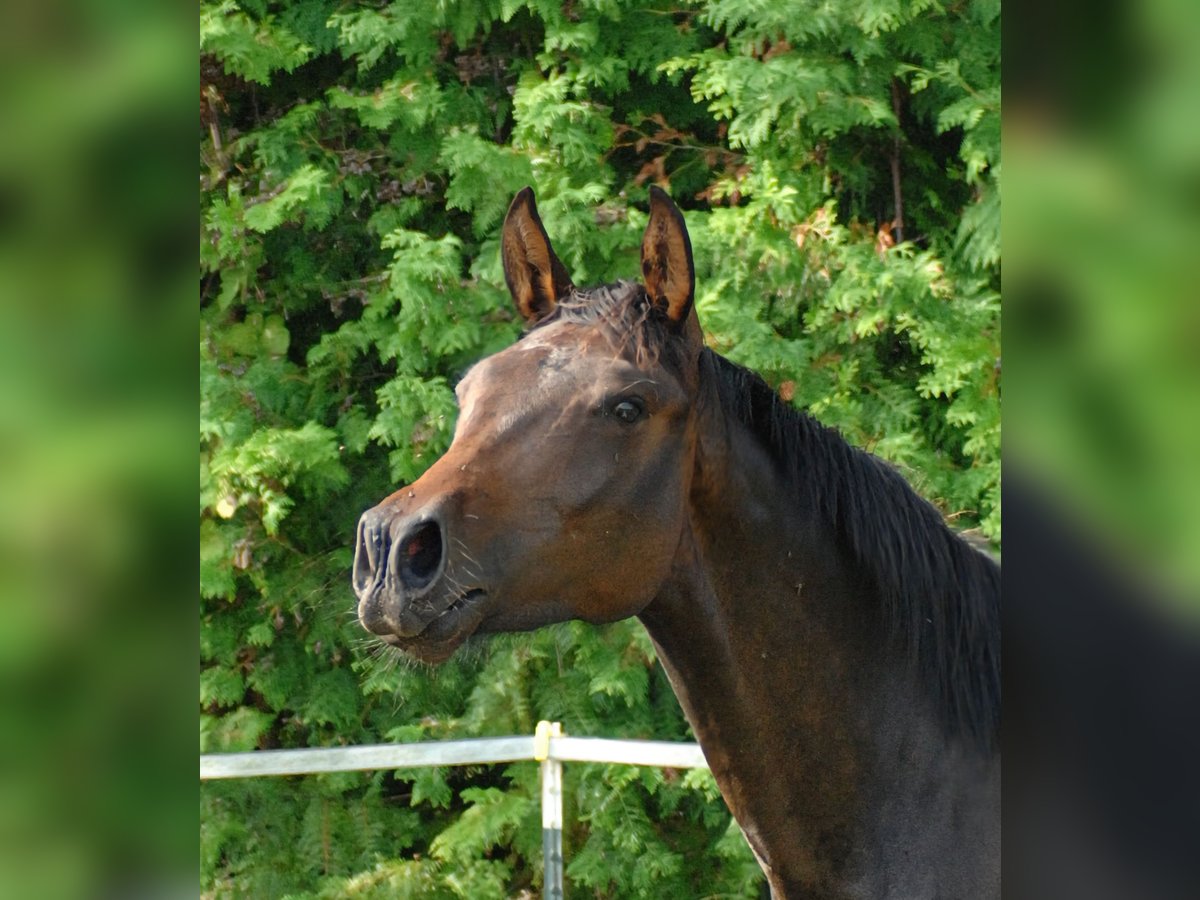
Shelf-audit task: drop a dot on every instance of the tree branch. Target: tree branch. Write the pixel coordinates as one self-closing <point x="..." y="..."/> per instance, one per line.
<point x="897" y="195"/>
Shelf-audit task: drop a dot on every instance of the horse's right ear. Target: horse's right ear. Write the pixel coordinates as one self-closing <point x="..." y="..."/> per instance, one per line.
<point x="667" y="269"/>
<point x="535" y="277"/>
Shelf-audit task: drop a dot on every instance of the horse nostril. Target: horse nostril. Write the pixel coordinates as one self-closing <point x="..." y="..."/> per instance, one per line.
<point x="370" y="554"/>
<point x="420" y="555"/>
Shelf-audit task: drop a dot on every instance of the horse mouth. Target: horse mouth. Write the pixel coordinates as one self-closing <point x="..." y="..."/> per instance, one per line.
<point x="446" y="631"/>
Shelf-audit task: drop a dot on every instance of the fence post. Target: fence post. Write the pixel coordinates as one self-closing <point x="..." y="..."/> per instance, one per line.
<point x="552" y="855"/>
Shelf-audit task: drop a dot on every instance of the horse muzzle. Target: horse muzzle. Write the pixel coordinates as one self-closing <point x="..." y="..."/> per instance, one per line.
<point x="399" y="573"/>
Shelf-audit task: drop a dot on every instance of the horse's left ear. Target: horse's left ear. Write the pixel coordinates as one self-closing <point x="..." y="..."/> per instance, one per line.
<point x="667" y="269"/>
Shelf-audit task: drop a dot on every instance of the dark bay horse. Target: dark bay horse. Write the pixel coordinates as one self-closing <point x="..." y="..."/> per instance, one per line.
<point x="834" y="645"/>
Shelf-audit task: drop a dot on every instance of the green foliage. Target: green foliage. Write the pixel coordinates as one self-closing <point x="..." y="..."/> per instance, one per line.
<point x="355" y="164"/>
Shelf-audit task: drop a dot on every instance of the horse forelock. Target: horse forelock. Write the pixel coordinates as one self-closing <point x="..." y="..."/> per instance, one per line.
<point x="632" y="322"/>
<point x="940" y="596"/>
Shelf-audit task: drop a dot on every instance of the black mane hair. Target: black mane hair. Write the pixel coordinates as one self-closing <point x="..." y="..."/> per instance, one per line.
<point x="941" y="596"/>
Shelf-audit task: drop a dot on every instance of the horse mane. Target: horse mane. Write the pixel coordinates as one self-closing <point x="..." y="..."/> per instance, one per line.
<point x="940" y="596"/>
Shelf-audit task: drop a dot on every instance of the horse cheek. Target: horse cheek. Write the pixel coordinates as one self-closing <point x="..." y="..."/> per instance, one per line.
<point x="645" y="551"/>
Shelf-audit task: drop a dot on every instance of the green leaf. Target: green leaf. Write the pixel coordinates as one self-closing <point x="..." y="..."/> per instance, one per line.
<point x="300" y="189"/>
<point x="249" y="48"/>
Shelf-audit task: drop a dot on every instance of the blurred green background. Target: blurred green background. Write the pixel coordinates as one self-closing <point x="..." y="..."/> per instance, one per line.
<point x="1102" y="306"/>
<point x="97" y="399"/>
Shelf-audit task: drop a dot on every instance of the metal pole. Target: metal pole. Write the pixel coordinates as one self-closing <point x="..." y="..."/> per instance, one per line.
<point x="552" y="853"/>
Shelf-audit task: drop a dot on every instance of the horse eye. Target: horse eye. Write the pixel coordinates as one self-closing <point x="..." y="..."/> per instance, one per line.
<point x="628" y="411"/>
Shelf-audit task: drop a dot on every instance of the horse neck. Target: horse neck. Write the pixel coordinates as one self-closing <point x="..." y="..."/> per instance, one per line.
<point x="808" y="715"/>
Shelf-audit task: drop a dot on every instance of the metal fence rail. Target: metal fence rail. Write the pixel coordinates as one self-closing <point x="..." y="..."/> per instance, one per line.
<point x="548" y="745"/>
<point x="313" y="760"/>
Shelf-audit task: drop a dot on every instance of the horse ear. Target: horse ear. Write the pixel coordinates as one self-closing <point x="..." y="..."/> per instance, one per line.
<point x="667" y="268"/>
<point x="535" y="277"/>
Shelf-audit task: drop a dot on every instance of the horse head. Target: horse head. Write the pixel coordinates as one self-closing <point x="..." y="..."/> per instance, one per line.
<point x="564" y="492"/>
